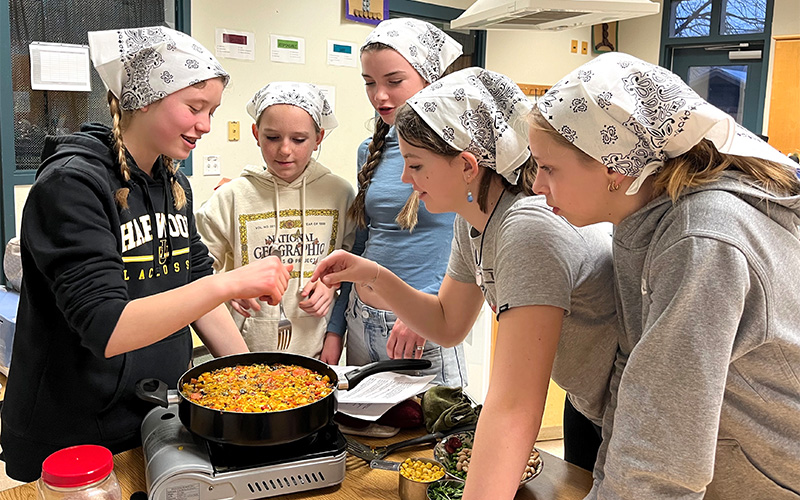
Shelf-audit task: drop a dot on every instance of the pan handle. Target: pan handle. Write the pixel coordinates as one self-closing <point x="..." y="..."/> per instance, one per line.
<point x="353" y="378"/>
<point x="155" y="391"/>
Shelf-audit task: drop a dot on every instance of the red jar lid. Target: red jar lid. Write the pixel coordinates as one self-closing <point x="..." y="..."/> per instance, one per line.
<point x="77" y="466"/>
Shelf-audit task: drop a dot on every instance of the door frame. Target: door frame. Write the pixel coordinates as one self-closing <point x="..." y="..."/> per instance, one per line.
<point x="718" y="56"/>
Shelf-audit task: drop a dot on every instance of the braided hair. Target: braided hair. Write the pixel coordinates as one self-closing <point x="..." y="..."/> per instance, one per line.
<point x="357" y="210"/>
<point x="120" y="120"/>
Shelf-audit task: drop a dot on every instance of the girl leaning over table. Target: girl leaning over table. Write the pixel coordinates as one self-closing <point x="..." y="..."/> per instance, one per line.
<point x="465" y="148"/>
<point x="705" y="393"/>
<point x="113" y="267"/>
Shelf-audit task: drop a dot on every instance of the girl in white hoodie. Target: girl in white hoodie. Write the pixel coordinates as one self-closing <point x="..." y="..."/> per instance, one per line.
<point x="294" y="206"/>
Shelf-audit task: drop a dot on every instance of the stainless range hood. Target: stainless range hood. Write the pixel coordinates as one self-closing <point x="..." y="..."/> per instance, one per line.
<point x="550" y="15"/>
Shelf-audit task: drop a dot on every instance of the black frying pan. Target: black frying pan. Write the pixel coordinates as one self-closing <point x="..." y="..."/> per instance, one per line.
<point x="269" y="428"/>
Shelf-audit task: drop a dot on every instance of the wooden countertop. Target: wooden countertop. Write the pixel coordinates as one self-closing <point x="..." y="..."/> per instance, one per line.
<point x="558" y="480"/>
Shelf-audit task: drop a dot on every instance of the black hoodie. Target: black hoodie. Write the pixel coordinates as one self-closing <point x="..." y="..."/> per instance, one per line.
<point x="84" y="258"/>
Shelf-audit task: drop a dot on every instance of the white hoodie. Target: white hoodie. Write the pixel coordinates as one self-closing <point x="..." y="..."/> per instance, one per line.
<point x="239" y="224"/>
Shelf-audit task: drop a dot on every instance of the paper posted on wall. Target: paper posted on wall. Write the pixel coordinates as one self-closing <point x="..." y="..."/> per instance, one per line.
<point x="377" y="394"/>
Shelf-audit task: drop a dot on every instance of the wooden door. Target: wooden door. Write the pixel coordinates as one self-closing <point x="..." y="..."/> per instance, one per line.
<point x="784" y="105"/>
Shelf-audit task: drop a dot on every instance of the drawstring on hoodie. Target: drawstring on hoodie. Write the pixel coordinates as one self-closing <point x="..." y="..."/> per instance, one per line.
<point x="169" y="203"/>
<point x="302" y="231"/>
<point x="138" y="179"/>
<point x="302" y="223"/>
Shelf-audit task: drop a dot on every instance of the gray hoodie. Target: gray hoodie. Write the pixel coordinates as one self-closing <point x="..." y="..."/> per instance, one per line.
<point x="706" y="389"/>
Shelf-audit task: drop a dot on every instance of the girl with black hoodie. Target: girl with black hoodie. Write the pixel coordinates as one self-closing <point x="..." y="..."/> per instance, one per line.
<point x="113" y="267"/>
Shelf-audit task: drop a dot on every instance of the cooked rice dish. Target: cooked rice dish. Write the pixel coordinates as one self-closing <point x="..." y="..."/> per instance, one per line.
<point x="257" y="388"/>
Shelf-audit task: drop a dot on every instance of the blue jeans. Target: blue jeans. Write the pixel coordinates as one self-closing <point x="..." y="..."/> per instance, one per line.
<point x="368" y="331"/>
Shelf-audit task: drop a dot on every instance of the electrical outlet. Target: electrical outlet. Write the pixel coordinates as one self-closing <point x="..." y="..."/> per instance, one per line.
<point x="233" y="131"/>
<point x="211" y="165"/>
<point x="573" y="47"/>
<point x="584" y="47"/>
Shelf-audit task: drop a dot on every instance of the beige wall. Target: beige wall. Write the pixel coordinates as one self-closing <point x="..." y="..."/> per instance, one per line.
<point x="786" y="18"/>
<point x="526" y="56"/>
<point x="263" y="18"/>
<point x="535" y="57"/>
<point x="543" y="57"/>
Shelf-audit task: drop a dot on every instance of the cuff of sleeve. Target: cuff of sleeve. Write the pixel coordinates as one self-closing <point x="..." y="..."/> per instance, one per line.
<point x="99" y="327"/>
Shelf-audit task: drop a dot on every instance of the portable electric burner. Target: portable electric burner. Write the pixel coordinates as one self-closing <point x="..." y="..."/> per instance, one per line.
<point x="180" y="465"/>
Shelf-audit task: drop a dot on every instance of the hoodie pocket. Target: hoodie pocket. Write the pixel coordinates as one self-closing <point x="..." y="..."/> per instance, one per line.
<point x="166" y="360"/>
<point x="735" y="476"/>
<point x="260" y="333"/>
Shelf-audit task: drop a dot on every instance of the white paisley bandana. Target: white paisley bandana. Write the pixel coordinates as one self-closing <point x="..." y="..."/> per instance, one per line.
<point x="631" y="115"/>
<point x="303" y="95"/>
<point x="428" y="49"/>
<point x="142" y="65"/>
<point x="482" y="112"/>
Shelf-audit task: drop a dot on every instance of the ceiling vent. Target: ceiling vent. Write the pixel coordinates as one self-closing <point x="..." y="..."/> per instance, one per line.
<point x="550" y="15"/>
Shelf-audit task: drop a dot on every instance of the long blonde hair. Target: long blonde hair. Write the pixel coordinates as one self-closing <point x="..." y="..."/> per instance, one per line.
<point x="121" y="119"/>
<point x="700" y="165"/>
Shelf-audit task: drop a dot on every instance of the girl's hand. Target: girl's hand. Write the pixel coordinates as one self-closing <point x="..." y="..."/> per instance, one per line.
<point x="243" y="306"/>
<point x="265" y="279"/>
<point x="332" y="349"/>
<point x="318" y="298"/>
<point x="404" y="343"/>
<point x="344" y="266"/>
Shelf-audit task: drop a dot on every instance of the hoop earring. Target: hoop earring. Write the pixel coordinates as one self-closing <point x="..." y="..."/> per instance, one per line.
<point x="470" y="199"/>
<point x="612" y="186"/>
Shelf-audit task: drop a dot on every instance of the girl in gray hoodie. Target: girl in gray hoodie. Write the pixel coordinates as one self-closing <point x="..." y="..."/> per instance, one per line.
<point x="706" y="388"/>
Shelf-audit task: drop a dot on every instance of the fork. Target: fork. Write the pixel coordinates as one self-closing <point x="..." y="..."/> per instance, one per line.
<point x="284" y="325"/>
<point x="368" y="453"/>
<point x="284" y="330"/>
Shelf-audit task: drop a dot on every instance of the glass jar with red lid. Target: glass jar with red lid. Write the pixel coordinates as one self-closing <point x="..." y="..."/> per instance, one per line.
<point x="84" y="472"/>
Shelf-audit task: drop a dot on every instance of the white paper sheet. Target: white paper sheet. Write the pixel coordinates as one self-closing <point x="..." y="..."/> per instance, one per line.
<point x="60" y="66"/>
<point x="370" y="411"/>
<point x="342" y="53"/>
<point x="233" y="44"/>
<point x="383" y="388"/>
<point x="365" y="411"/>
<point x="287" y="49"/>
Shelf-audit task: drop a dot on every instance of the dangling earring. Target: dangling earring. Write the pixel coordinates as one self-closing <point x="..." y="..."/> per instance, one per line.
<point x="470" y="199"/>
<point x="612" y="186"/>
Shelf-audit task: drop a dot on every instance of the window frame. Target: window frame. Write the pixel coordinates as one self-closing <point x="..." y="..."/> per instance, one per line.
<point x="9" y="176"/>
<point x="716" y="39"/>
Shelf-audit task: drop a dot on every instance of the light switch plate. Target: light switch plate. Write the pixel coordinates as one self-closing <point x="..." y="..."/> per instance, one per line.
<point x="211" y="165"/>
<point x="584" y="47"/>
<point x="233" y="131"/>
<point x="573" y="46"/>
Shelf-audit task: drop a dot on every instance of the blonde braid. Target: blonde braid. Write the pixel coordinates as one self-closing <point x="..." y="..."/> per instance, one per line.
<point x="121" y="194"/>
<point x="357" y="211"/>
<point x="407" y="218"/>
<point x="178" y="194"/>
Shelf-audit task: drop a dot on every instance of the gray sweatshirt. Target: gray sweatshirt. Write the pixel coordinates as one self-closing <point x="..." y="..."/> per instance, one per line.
<point x="706" y="388"/>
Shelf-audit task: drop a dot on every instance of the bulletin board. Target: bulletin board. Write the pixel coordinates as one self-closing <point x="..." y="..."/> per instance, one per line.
<point x="605" y="37"/>
<point x="366" y="11"/>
